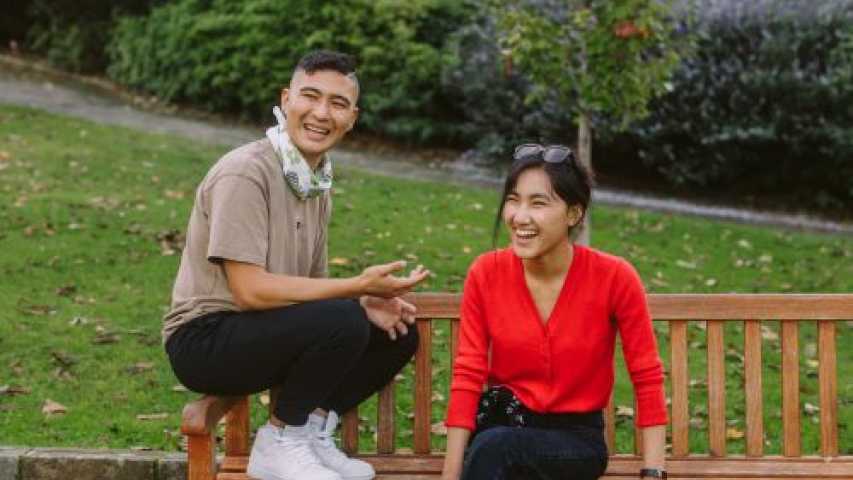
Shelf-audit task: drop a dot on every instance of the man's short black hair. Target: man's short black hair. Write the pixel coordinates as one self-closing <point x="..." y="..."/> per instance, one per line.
<point x="320" y="60"/>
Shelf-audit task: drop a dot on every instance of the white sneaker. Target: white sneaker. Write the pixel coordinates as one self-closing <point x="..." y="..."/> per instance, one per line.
<point x="323" y="444"/>
<point x="286" y="454"/>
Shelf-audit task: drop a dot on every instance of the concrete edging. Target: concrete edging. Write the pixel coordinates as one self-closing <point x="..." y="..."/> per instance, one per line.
<point x="20" y="463"/>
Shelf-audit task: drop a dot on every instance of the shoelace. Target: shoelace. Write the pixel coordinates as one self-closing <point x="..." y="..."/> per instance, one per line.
<point x="299" y="448"/>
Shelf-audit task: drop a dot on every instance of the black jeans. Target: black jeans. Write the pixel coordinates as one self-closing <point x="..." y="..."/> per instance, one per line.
<point x="523" y="453"/>
<point x="324" y="354"/>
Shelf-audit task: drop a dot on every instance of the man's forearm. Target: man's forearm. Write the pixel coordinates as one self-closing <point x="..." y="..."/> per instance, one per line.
<point x="268" y="290"/>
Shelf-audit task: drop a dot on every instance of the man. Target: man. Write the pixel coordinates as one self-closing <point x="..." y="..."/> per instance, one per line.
<point x="252" y="308"/>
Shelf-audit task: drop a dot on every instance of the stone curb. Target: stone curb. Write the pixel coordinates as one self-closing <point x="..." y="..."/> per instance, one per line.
<point x="17" y="463"/>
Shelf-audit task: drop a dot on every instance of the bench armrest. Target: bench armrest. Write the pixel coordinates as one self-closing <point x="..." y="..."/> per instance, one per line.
<point x="201" y="416"/>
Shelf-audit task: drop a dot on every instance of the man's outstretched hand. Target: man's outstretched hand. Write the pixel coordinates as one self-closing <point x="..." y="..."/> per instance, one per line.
<point x="380" y="281"/>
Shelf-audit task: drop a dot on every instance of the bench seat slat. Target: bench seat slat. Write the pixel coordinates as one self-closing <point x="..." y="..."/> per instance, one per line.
<point x="694" y="466"/>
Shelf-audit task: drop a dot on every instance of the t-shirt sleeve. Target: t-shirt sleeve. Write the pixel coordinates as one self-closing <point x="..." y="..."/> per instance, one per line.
<point x="470" y="367"/>
<point x="238" y="215"/>
<point x="639" y="346"/>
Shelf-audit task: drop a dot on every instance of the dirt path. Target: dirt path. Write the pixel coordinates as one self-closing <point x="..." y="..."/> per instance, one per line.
<point x="33" y="85"/>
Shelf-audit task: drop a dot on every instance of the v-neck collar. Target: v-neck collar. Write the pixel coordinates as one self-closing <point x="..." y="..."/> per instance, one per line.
<point x="568" y="284"/>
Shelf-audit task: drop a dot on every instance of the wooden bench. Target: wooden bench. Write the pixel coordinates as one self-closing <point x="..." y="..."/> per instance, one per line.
<point x="711" y="312"/>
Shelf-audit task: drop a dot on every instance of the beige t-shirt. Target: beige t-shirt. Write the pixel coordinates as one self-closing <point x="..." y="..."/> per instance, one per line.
<point x="244" y="211"/>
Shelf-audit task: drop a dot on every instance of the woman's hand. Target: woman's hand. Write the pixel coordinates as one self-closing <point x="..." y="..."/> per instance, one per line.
<point x="379" y="280"/>
<point x="390" y="314"/>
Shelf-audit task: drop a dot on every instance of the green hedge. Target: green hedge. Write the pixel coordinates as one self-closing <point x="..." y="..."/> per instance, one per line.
<point x="235" y="55"/>
<point x="768" y="101"/>
<point x="71" y="34"/>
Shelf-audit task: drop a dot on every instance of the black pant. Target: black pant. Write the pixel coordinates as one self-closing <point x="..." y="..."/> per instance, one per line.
<point x="323" y="354"/>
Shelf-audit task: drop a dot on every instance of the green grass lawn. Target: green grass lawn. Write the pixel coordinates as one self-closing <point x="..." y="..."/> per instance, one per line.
<point x="89" y="221"/>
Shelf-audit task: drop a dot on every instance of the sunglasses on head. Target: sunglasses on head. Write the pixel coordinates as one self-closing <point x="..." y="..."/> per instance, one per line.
<point x="550" y="154"/>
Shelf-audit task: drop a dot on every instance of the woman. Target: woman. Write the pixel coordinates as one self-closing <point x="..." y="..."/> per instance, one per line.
<point x="538" y="327"/>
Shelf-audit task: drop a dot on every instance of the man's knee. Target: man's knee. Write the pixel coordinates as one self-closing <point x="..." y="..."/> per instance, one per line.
<point x="348" y="322"/>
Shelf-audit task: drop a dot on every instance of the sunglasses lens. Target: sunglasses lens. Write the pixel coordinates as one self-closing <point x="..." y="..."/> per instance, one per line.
<point x="555" y="154"/>
<point x="527" y="150"/>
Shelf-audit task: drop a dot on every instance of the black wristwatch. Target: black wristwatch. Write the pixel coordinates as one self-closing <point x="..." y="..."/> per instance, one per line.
<point x="653" y="473"/>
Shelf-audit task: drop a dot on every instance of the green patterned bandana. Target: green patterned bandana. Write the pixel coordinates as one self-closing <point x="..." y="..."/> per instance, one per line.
<point x="304" y="182"/>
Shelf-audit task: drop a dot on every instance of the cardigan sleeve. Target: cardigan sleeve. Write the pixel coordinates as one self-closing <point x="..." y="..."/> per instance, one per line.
<point x="470" y="367"/>
<point x="639" y="346"/>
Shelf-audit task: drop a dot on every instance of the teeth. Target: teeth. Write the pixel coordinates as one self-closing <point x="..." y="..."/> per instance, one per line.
<point x="525" y="233"/>
<point x="316" y="130"/>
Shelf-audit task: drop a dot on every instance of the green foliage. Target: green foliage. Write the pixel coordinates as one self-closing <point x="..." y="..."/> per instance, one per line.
<point x="606" y="57"/>
<point x="234" y="56"/>
<point x="71" y="34"/>
<point x="764" y="107"/>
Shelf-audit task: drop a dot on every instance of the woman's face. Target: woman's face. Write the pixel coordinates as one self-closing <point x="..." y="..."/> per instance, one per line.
<point x="537" y="218"/>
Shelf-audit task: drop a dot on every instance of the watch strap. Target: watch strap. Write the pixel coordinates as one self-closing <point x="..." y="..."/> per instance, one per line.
<point x="653" y="473"/>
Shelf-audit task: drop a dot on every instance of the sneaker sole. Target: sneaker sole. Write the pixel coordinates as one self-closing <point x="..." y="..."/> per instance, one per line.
<point x="258" y="473"/>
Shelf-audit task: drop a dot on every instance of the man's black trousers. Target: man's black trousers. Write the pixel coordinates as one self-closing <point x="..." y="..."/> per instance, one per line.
<point x="324" y="354"/>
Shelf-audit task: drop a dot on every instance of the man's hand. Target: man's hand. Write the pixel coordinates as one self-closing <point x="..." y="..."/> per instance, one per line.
<point x="379" y="280"/>
<point x="390" y="314"/>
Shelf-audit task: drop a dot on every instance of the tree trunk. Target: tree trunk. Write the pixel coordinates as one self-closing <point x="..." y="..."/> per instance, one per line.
<point x="585" y="158"/>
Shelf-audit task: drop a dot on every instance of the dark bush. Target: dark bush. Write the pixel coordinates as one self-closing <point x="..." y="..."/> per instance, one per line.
<point x="72" y="34"/>
<point x="234" y="56"/>
<point x="767" y="103"/>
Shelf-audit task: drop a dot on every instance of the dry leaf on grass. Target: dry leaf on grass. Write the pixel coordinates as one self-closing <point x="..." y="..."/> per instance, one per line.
<point x="51" y="408"/>
<point x="14" y="390"/>
<point x="140" y="367"/>
<point x="152" y="416"/>
<point x="438" y="428"/>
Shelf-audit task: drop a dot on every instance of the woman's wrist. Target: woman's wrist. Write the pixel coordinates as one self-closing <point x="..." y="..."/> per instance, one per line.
<point x="649" y="472"/>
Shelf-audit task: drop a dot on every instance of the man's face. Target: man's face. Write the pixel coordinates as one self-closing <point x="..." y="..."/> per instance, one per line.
<point x="320" y="108"/>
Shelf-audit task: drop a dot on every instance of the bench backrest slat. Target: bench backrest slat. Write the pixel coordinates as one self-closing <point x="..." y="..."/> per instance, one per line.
<point x="349" y="431"/>
<point x="716" y="388"/>
<point x="753" y="387"/>
<point x="828" y="379"/>
<point x="790" y="389"/>
<point x="385" y="422"/>
<point x="423" y="389"/>
<point x="679" y="381"/>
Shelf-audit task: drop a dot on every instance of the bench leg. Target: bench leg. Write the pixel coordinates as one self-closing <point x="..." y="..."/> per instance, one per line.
<point x="201" y="457"/>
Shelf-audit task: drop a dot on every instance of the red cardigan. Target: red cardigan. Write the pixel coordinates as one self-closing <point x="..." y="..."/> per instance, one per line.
<point x="566" y="364"/>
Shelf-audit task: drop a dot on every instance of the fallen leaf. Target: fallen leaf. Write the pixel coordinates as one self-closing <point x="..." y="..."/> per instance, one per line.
<point x="733" y="433"/>
<point x="140" y="367"/>
<point x="63" y="359"/>
<point x="438" y="428"/>
<point x="67" y="290"/>
<point x="339" y="261"/>
<point x="811" y="409"/>
<point x="51" y="408"/>
<point x="14" y="390"/>
<point x="686" y="264"/>
<point x="624" y="411"/>
<point x="180" y="388"/>
<point x="106" y="338"/>
<point x="264" y="398"/>
<point x="152" y="416"/>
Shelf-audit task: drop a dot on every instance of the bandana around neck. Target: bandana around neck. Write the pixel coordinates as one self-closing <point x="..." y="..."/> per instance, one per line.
<point x="304" y="182"/>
